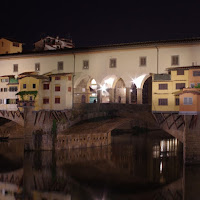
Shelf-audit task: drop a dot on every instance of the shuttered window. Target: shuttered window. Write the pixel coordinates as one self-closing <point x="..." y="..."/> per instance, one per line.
<point x="163" y="86"/>
<point x="180" y="85"/>
<point x="162" y="102"/>
<point x="187" y="100"/>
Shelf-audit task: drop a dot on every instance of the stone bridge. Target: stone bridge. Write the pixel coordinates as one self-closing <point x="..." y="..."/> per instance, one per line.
<point x="186" y="128"/>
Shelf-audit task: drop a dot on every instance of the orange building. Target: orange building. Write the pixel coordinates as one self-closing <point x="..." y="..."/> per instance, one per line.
<point x="189" y="101"/>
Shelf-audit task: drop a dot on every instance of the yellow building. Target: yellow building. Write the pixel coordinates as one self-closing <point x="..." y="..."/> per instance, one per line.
<point x="52" y="91"/>
<point x="9" y="46"/>
<point x="165" y="87"/>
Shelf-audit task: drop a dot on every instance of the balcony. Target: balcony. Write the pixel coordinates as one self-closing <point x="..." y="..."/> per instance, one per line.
<point x="25" y="103"/>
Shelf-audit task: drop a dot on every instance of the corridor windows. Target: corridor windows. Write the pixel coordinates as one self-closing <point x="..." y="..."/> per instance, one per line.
<point x="175" y="60"/>
<point x="143" y="61"/>
<point x="180" y="86"/>
<point x="187" y="100"/>
<point x="113" y="63"/>
<point x="37" y="67"/>
<point x="162" y="102"/>
<point x="163" y="86"/>
<point x="45" y="100"/>
<point x="15" y="68"/>
<point x="57" y="88"/>
<point x="57" y="100"/>
<point x="85" y="64"/>
<point x="45" y="86"/>
<point x="60" y="65"/>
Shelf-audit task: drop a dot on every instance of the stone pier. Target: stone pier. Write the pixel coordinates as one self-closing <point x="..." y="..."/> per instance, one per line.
<point x="191" y="139"/>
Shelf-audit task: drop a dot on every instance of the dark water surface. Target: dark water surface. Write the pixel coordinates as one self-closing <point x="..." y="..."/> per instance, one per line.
<point x="142" y="166"/>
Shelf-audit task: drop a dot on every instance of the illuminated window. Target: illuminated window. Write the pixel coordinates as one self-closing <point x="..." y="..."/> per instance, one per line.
<point x="163" y="86"/>
<point x="196" y="73"/>
<point x="37" y="66"/>
<point x="57" y="100"/>
<point x="143" y="61"/>
<point x="45" y="86"/>
<point x="15" y="68"/>
<point x="180" y="85"/>
<point x="57" y="88"/>
<point x="113" y="63"/>
<point x="60" y="65"/>
<point x="45" y="100"/>
<point x="85" y="64"/>
<point x="180" y="72"/>
<point x="175" y="60"/>
<point x="162" y="102"/>
<point x="187" y="100"/>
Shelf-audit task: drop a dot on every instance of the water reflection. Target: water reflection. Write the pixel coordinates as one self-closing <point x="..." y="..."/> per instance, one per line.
<point x="133" y="167"/>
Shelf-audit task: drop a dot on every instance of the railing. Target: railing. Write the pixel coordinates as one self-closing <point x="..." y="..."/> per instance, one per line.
<point x="25" y="103"/>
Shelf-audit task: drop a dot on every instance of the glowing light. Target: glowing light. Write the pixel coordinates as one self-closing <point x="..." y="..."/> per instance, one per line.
<point x="103" y="89"/>
<point x="109" y="82"/>
<point x="138" y="81"/>
<point x="161" y="167"/>
<point x="93" y="82"/>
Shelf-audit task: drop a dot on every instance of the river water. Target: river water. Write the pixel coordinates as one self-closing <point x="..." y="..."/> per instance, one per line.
<point x="136" y="166"/>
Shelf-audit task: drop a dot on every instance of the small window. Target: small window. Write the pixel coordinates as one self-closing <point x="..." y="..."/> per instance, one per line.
<point x="57" y="88"/>
<point x="12" y="89"/>
<point x="162" y="102"/>
<point x="69" y="89"/>
<point x="46" y="86"/>
<point x="177" y="101"/>
<point x="15" y="68"/>
<point x="5" y="89"/>
<point x="175" y="60"/>
<point x="1" y="89"/>
<point x="180" y="86"/>
<point x="57" y="77"/>
<point x="187" y="100"/>
<point x="69" y="78"/>
<point x="113" y="63"/>
<point x="60" y="65"/>
<point x="31" y="98"/>
<point x="57" y="100"/>
<point x="143" y="61"/>
<point x="24" y="86"/>
<point x="180" y="72"/>
<point x="34" y="85"/>
<point x="37" y="67"/>
<point x="46" y="101"/>
<point x="163" y="86"/>
<point x="196" y="73"/>
<point x="85" y="64"/>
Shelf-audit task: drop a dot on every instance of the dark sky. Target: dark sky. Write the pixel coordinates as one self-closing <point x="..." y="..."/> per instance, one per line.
<point x="99" y="22"/>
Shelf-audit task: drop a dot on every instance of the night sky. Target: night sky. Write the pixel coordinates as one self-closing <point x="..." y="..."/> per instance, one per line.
<point x="98" y="22"/>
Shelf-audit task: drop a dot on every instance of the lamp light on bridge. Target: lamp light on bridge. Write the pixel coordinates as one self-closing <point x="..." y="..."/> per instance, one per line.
<point x="138" y="81"/>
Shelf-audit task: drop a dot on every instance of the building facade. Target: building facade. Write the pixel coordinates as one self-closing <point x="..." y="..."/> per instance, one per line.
<point x="177" y="91"/>
<point x="10" y="46"/>
<point x="121" y="73"/>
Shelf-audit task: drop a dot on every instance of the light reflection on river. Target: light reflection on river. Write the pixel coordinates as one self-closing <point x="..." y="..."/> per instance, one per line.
<point x="146" y="166"/>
